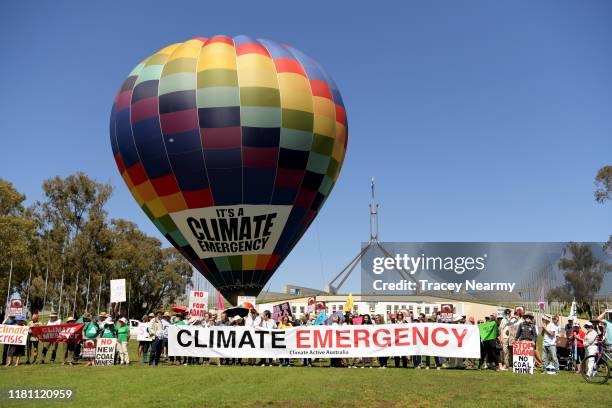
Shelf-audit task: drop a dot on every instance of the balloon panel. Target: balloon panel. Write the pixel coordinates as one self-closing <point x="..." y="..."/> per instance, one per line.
<point x="230" y="146"/>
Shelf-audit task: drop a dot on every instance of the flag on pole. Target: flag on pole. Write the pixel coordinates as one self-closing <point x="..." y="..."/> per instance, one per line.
<point x="348" y="306"/>
<point x="220" y="306"/>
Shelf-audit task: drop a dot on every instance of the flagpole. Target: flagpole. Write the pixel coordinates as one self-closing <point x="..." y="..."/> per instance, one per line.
<point x="76" y="290"/>
<point x="99" y="295"/>
<point x="45" y="295"/>
<point x="87" y="294"/>
<point x="128" y="299"/>
<point x="8" y="289"/>
<point x="59" y="304"/>
<point x="29" y="282"/>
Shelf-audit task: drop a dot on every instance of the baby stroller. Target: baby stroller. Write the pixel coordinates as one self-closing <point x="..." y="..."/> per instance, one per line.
<point x="565" y="354"/>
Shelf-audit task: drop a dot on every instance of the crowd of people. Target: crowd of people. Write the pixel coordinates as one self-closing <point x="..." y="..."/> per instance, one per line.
<point x="497" y="335"/>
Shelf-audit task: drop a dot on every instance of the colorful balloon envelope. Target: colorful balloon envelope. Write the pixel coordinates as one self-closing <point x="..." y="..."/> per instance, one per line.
<point x="230" y="146"/>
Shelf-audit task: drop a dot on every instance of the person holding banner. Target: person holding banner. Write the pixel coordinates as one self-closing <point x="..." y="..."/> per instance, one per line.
<point x="382" y="361"/>
<point x="283" y="325"/>
<point x="53" y="321"/>
<point x="16" y="350"/>
<point x="9" y="321"/>
<point x="32" y="350"/>
<point x="70" y="348"/>
<point x="266" y="322"/>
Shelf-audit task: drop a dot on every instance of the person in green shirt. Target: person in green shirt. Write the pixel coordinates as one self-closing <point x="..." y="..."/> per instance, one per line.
<point x="109" y="331"/>
<point x="90" y="333"/>
<point x="123" y="337"/>
<point x="488" y="338"/>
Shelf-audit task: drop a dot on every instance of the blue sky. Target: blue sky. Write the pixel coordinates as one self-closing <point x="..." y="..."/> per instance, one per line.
<point x="482" y="121"/>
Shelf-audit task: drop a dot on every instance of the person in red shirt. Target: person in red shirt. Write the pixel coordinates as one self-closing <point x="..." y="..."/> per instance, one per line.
<point x="576" y="337"/>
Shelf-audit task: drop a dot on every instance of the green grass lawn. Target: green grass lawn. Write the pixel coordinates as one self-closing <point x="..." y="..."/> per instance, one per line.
<point x="200" y="386"/>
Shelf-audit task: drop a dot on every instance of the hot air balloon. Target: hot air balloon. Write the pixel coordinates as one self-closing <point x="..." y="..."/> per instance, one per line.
<point x="230" y="146"/>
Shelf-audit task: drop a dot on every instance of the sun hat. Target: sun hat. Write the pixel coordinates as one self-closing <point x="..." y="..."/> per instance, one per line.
<point x="124" y="320"/>
<point x="236" y="318"/>
<point x="70" y="319"/>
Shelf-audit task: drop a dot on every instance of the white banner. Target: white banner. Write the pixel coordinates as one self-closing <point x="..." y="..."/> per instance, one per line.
<point x="14" y="334"/>
<point x="117" y="290"/>
<point x="198" y="303"/>
<point x="433" y="339"/>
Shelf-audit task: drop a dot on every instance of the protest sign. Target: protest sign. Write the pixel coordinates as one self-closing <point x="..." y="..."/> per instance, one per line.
<point x="522" y="357"/>
<point x="117" y="290"/>
<point x="13" y="334"/>
<point x="312" y="304"/>
<point x="280" y="310"/>
<point x="15" y="306"/>
<point x="434" y="339"/>
<point x="105" y="351"/>
<point x="142" y="332"/>
<point x="198" y="303"/>
<point x="446" y="312"/>
<point x="67" y="333"/>
<point x="88" y="350"/>
<point x="247" y="301"/>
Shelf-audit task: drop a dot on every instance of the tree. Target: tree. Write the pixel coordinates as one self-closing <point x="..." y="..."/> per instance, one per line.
<point x="17" y="229"/>
<point x="155" y="276"/>
<point x="73" y="243"/>
<point x="584" y="274"/>
<point x="603" y="184"/>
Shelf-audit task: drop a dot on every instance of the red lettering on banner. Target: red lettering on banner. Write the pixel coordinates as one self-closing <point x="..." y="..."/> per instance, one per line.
<point x="434" y="336"/>
<point x="362" y="335"/>
<point x="459" y="337"/>
<point x="343" y="335"/>
<point x="386" y="339"/>
<point x="302" y="336"/>
<point x="401" y="333"/>
<point x="322" y="342"/>
<point x="105" y="342"/>
<point x="422" y="336"/>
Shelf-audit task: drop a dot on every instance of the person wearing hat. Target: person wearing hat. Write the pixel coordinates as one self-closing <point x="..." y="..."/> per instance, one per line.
<point x="90" y="332"/>
<point x="590" y="344"/>
<point x="32" y="349"/>
<point x="109" y="331"/>
<point x="54" y="320"/>
<point x="70" y="348"/>
<point x="504" y="332"/>
<point x="550" y="331"/>
<point x="15" y="351"/>
<point x="123" y="337"/>
<point x="155" y="328"/>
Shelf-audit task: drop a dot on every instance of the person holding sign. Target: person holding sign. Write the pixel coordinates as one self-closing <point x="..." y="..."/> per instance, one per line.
<point x="16" y="350"/>
<point x="53" y="321"/>
<point x="32" y="350"/>
<point x="90" y="332"/>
